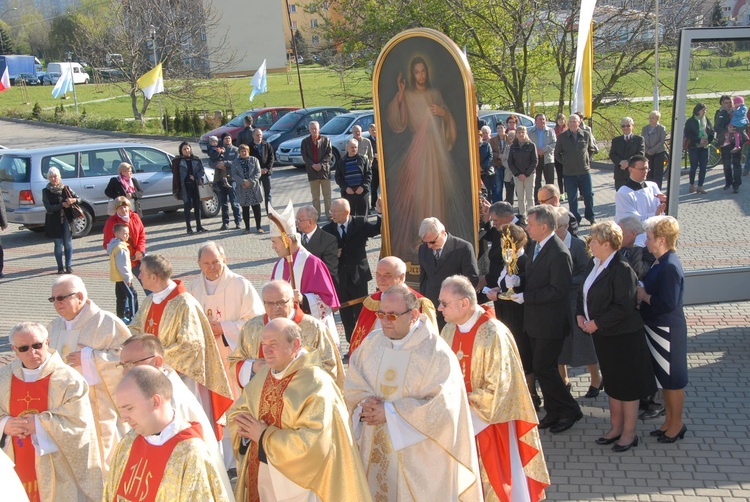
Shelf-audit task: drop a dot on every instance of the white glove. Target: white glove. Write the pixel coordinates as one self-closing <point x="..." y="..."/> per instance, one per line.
<point x="512" y="281"/>
<point x="518" y="298"/>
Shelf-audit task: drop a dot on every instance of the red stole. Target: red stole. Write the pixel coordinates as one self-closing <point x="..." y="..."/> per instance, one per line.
<point x="157" y="310"/>
<point x="146" y="463"/>
<point x="463" y="346"/>
<point x="269" y="411"/>
<point x="28" y="398"/>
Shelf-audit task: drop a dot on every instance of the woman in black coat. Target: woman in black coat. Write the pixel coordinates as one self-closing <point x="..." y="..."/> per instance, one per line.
<point x="522" y="162"/>
<point x="57" y="199"/>
<point x="607" y="309"/>
<point x="263" y="151"/>
<point x="125" y="185"/>
<point x="187" y="176"/>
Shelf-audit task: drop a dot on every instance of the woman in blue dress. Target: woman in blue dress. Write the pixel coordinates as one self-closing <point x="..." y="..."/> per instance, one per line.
<point x="666" y="329"/>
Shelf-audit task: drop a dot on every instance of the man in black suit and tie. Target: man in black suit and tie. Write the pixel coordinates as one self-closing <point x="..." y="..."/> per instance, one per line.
<point x="442" y="255"/>
<point x="354" y="273"/>
<point x="623" y="147"/>
<point x="545" y="299"/>
<point x="319" y="243"/>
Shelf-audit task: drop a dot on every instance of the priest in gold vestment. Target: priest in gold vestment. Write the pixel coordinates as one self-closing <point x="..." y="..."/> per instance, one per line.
<point x="46" y="422"/>
<point x="291" y="431"/>
<point x="409" y="409"/>
<point x="89" y="339"/>
<point x="163" y="458"/>
<point x="505" y="423"/>
<point x="177" y="319"/>
<point x="278" y="301"/>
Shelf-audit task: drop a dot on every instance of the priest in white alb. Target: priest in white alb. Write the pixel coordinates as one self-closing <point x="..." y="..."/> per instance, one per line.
<point x="46" y="423"/>
<point x="89" y="339"/>
<point x="638" y="197"/>
<point x="409" y="411"/>
<point x="278" y="301"/>
<point x="505" y="423"/>
<point x="163" y="458"/>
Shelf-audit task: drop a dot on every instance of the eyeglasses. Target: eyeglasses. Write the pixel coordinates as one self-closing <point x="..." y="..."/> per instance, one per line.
<point x="544" y="201"/>
<point x="640" y="168"/>
<point x="390" y="317"/>
<point x="445" y="304"/>
<point x="35" y="346"/>
<point x="59" y="298"/>
<point x="626" y="125"/>
<point x="279" y="304"/>
<point x="133" y="363"/>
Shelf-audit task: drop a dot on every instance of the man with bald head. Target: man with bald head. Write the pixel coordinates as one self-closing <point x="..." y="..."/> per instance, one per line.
<point x="46" y="422"/>
<point x="248" y="357"/>
<point x="390" y="271"/>
<point x="290" y="427"/>
<point x="164" y="457"/>
<point x="550" y="195"/>
<point x="89" y="339"/>
<point x="351" y="233"/>
<point x="353" y="176"/>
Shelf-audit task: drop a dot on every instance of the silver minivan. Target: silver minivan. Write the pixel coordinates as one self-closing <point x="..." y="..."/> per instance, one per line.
<point x="87" y="169"/>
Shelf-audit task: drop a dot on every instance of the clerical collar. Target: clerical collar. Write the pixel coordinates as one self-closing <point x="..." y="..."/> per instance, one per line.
<point x="281" y="374"/>
<point x="171" y="430"/>
<point x="634" y="185"/>
<point x="72" y="323"/>
<point x="466" y="327"/>
<point x="397" y="344"/>
<point x="33" y="375"/>
<point x="162" y="295"/>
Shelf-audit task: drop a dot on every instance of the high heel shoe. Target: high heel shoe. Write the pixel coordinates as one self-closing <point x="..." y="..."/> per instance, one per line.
<point x="657" y="433"/>
<point x="619" y="448"/>
<point x="594" y="391"/>
<point x="667" y="439"/>
<point x="602" y="440"/>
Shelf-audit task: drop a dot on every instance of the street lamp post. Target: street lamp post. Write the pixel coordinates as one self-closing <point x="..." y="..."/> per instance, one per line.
<point x="656" y="56"/>
<point x="72" y="79"/>
<point x="153" y="47"/>
<point x="2" y="44"/>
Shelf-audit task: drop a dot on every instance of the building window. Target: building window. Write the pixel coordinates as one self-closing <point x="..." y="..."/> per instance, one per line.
<point x="292" y="9"/>
<point x="325" y="5"/>
<point x="294" y="25"/>
<point x="315" y="39"/>
<point x="313" y="23"/>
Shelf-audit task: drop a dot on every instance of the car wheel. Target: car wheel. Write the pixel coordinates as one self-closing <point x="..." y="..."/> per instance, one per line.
<point x="210" y="208"/>
<point x="86" y="81"/>
<point x="82" y="226"/>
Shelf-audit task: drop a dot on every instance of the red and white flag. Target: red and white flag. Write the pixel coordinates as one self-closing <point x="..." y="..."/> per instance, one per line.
<point x="5" y="81"/>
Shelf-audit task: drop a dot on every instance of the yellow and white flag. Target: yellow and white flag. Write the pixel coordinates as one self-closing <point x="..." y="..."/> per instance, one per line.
<point x="152" y="82"/>
<point x="584" y="60"/>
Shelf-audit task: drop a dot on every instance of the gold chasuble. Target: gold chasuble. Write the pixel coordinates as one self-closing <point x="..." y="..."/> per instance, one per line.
<point x="367" y="318"/>
<point x="58" y="398"/>
<point x="426" y="450"/>
<point x="315" y="337"/>
<point x="308" y="440"/>
<point x="189" y="344"/>
<point x="505" y="422"/>
<point x="178" y="470"/>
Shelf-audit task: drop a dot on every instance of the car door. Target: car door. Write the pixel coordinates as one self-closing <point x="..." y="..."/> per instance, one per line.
<point x="67" y="164"/>
<point x="152" y="168"/>
<point x="97" y="168"/>
<point x="264" y="120"/>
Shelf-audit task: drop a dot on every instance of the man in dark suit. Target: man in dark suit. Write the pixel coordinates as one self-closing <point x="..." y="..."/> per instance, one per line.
<point x="623" y="147"/>
<point x="442" y="255"/>
<point x="545" y="299"/>
<point x="354" y="273"/>
<point x="318" y="242"/>
<point x="245" y="136"/>
<point x="494" y="217"/>
<point x="318" y="157"/>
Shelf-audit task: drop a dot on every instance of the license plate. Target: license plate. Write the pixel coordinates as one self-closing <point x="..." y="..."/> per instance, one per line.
<point x="283" y="158"/>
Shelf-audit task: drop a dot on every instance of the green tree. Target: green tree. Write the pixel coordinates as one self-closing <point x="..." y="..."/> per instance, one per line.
<point x="302" y="48"/>
<point x="717" y="15"/>
<point x="6" y="44"/>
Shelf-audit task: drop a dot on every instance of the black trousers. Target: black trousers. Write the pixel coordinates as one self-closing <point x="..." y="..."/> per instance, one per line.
<point x="265" y="181"/>
<point x="191" y="199"/>
<point x="2" y="258"/>
<point x="560" y="180"/>
<point x="656" y="165"/>
<point x="548" y="170"/>
<point x="349" y="315"/>
<point x="557" y="398"/>
<point x="358" y="203"/>
<point x="246" y="215"/>
<point x="732" y="166"/>
<point x="374" y="184"/>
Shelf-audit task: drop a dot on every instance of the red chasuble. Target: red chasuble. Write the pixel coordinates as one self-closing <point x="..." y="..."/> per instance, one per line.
<point x="493" y="442"/>
<point x="367" y="319"/>
<point x="270" y="408"/>
<point x="146" y="464"/>
<point x="28" y="398"/>
<point x="156" y="311"/>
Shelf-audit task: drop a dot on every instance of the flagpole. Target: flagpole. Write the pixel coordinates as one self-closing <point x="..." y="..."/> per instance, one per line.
<point x="73" y="80"/>
<point x="153" y="46"/>
<point x="296" y="57"/>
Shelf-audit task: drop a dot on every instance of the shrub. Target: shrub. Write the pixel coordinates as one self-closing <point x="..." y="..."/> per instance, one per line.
<point x="36" y="112"/>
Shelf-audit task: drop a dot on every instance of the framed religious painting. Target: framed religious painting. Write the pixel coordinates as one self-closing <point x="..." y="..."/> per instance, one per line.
<point x="425" y="113"/>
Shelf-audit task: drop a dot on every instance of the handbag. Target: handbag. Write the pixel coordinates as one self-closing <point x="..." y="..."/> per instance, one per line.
<point x="74" y="212"/>
<point x="205" y="190"/>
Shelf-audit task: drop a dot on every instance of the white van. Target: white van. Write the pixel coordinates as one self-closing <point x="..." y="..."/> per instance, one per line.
<point x="79" y="74"/>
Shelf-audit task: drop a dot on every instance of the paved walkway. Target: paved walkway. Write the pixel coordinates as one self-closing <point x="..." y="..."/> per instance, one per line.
<point x="712" y="463"/>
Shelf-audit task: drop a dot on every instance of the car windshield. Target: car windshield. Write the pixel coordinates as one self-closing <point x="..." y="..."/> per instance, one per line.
<point x="286" y="122"/>
<point x="238" y="121"/>
<point x="337" y="125"/>
<point x="15" y="169"/>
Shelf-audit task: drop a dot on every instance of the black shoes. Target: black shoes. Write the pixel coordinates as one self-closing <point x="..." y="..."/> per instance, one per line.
<point x="223" y="227"/>
<point x="60" y="271"/>
<point x="619" y="448"/>
<point x="603" y="441"/>
<point x="654" y="410"/>
<point x="190" y="231"/>
<point x="547" y="422"/>
<point x="666" y="439"/>
<point x="201" y="230"/>
<point x="68" y="270"/>
<point x="564" y="424"/>
<point x="657" y="433"/>
<point x="594" y="391"/>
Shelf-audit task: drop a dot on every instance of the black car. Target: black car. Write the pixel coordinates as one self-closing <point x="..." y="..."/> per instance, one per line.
<point x="27" y="79"/>
<point x="295" y="124"/>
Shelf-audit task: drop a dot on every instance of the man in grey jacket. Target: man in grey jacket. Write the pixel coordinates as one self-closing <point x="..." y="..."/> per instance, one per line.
<point x="545" y="140"/>
<point x="573" y="150"/>
<point x="318" y="157"/>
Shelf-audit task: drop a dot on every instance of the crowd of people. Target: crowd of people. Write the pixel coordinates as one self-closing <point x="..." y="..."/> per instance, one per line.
<point x="171" y="397"/>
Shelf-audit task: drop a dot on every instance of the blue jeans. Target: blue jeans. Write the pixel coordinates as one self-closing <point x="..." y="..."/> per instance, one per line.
<point x="489" y="184"/>
<point x="746" y="167"/>
<point x="228" y="197"/>
<point x="65" y="241"/>
<point x="572" y="185"/>
<point x="698" y="160"/>
<point x="499" y="184"/>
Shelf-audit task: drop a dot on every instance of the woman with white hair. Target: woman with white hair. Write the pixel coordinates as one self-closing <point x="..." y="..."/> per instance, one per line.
<point x="58" y="198"/>
<point x="522" y="162"/>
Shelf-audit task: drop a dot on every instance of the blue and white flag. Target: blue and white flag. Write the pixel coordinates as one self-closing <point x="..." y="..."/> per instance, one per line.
<point x="259" y="83"/>
<point x="64" y="83"/>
